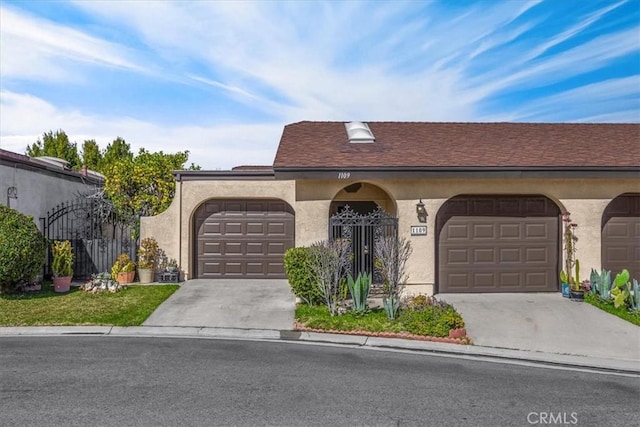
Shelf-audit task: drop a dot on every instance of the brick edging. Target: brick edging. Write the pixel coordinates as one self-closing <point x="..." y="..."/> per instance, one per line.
<point x="456" y="336"/>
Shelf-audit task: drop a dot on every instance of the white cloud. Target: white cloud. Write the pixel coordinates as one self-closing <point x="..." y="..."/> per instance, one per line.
<point x="37" y="48"/>
<point x="216" y="146"/>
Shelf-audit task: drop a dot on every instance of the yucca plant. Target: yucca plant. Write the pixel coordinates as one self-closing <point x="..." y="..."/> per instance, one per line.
<point x="359" y="290"/>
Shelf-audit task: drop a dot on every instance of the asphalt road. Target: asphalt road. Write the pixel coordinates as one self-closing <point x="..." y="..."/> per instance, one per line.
<point x="116" y="381"/>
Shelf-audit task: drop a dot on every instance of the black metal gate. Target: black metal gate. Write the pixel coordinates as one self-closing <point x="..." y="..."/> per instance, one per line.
<point x="363" y="231"/>
<point x="96" y="232"/>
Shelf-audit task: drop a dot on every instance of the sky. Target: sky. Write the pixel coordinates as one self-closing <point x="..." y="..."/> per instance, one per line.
<point x="222" y="78"/>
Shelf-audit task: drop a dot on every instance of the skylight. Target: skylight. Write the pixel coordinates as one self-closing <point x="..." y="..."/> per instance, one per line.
<point x="359" y="133"/>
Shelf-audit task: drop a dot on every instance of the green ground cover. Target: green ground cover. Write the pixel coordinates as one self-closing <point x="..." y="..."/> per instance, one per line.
<point x="128" y="307"/>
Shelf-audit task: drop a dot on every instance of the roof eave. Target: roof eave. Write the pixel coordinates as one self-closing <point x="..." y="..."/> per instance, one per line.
<point x="296" y="172"/>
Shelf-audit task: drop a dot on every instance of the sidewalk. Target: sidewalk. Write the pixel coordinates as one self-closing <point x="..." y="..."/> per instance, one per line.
<point x="614" y="365"/>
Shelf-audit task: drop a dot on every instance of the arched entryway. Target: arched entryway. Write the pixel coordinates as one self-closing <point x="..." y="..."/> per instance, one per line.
<point x="362" y="213"/>
<point x="242" y="238"/>
<point x="498" y="244"/>
<point x="621" y="235"/>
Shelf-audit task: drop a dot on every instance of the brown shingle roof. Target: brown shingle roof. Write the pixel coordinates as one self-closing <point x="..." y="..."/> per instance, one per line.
<point x="420" y="144"/>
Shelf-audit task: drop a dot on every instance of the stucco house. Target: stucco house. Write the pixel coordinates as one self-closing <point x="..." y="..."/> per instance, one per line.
<point x="481" y="203"/>
<point x="35" y="185"/>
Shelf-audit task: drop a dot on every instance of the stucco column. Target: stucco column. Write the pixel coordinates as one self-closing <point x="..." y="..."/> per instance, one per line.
<point x="312" y="221"/>
<point x="587" y="213"/>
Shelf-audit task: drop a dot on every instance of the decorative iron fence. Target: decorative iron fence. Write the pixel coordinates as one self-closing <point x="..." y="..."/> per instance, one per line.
<point x="363" y="231"/>
<point x="98" y="234"/>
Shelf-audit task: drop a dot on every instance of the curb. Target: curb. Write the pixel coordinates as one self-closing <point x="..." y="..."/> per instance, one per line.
<point x="607" y="365"/>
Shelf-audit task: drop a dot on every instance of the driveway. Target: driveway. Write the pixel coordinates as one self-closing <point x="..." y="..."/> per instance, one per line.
<point x="545" y="322"/>
<point x="225" y="303"/>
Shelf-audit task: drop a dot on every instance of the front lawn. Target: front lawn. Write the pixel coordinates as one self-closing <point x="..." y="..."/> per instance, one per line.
<point x="128" y="307"/>
<point x="434" y="321"/>
<point x="621" y="312"/>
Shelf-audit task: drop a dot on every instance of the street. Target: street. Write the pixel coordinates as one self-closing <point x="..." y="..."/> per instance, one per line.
<point x="116" y="381"/>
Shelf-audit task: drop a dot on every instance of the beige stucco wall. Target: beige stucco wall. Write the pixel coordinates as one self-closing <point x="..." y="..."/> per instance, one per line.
<point x="173" y="228"/>
<point x="586" y="199"/>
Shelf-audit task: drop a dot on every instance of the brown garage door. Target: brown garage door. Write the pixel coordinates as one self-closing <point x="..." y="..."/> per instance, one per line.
<point x="621" y="235"/>
<point x="243" y="238"/>
<point x="498" y="244"/>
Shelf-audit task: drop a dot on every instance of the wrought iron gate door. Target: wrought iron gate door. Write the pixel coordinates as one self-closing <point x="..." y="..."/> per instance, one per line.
<point x="96" y="232"/>
<point x="363" y="231"/>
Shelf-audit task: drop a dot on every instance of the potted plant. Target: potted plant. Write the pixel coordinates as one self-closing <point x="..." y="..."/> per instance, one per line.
<point x="62" y="265"/>
<point x="147" y="259"/>
<point x="124" y="269"/>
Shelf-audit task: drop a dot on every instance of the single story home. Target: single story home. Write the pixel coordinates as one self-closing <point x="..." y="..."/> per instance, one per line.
<point x="36" y="185"/>
<point x="480" y="203"/>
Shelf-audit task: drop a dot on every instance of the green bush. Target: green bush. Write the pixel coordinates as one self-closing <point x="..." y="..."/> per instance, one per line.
<point x="297" y="265"/>
<point x="435" y="321"/>
<point x="22" y="249"/>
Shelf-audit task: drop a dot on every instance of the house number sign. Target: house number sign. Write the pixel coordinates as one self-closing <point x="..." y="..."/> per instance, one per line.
<point x="418" y="230"/>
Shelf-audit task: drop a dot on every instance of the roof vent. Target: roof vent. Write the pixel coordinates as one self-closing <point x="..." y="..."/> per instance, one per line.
<point x="54" y="161"/>
<point x="359" y="133"/>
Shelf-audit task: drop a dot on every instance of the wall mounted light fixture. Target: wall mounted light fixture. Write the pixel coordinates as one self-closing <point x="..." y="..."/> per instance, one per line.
<point x="421" y="211"/>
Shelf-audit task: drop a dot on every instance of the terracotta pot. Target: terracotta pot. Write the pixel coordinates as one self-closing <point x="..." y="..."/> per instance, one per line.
<point x="146" y="275"/>
<point x="126" y="277"/>
<point x="62" y="284"/>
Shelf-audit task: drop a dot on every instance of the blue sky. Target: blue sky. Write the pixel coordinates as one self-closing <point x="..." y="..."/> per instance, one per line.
<point x="221" y="79"/>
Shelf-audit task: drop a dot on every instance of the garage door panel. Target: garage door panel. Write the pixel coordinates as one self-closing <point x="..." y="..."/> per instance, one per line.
<point x="208" y="248"/>
<point x="537" y="255"/>
<point x="483" y="255"/>
<point x="276" y="228"/>
<point x="211" y="228"/>
<point x="243" y="238"/>
<point x="520" y="255"/>
<point x="509" y="255"/>
<point x="233" y="228"/>
<point x="509" y="231"/>
<point x="255" y="228"/>
<point x="458" y="231"/>
<point x="483" y="231"/>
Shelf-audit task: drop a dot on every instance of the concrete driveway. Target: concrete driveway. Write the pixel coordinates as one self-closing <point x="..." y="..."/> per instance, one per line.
<point x="225" y="303"/>
<point x="545" y="322"/>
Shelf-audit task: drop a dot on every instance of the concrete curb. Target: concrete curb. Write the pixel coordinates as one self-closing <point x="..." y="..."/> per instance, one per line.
<point x="624" y="366"/>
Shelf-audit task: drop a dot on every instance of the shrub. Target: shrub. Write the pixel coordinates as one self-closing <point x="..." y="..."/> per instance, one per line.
<point x="123" y="264"/>
<point x="148" y="253"/>
<point x="22" y="249"/>
<point x="433" y="318"/>
<point x="297" y="265"/>
<point x="62" y="265"/>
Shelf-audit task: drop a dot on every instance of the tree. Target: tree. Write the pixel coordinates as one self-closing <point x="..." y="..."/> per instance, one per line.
<point x="115" y="152"/>
<point x="392" y="254"/>
<point x="144" y="184"/>
<point x="91" y="154"/>
<point x="56" y="145"/>
<point x="329" y="263"/>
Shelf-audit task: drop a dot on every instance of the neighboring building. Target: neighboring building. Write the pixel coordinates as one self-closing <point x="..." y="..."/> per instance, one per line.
<point x="36" y="185"/>
<point x="493" y="195"/>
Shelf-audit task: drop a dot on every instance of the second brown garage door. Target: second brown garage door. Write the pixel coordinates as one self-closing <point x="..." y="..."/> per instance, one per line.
<point x="242" y="238"/>
<point x="507" y="244"/>
<point x="621" y="235"/>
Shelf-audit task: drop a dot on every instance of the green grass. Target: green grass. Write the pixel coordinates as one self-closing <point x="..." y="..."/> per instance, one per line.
<point x="431" y="321"/>
<point x="318" y="317"/>
<point x="621" y="312"/>
<point x="128" y="307"/>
